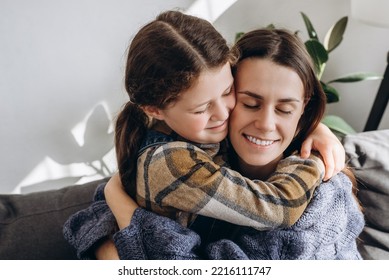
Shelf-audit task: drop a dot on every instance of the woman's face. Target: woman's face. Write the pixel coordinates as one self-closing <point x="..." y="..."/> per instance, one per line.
<point x="270" y="102"/>
<point x="201" y="113"/>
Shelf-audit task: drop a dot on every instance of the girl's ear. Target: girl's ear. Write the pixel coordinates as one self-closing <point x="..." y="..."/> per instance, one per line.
<point x="153" y="112"/>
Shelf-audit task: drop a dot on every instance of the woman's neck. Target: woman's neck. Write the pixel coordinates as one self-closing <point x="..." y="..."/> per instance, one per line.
<point x="261" y="172"/>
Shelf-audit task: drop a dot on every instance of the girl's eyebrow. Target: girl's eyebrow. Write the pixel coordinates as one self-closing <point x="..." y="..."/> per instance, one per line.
<point x="258" y="96"/>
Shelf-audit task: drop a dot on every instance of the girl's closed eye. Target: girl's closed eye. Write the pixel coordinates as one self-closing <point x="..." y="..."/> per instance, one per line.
<point x="202" y="111"/>
<point x="229" y="91"/>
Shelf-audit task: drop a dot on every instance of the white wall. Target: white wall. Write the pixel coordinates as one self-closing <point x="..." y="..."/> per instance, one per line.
<point x="61" y="64"/>
<point x="60" y="59"/>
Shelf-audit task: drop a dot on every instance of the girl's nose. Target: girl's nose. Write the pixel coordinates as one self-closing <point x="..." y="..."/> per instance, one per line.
<point x="221" y="112"/>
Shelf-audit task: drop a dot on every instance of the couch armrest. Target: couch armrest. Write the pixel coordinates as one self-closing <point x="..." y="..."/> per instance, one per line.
<point x="31" y="224"/>
<point x="368" y="153"/>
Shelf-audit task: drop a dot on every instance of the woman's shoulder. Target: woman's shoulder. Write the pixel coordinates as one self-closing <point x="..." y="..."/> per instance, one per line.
<point x="339" y="183"/>
<point x="334" y="196"/>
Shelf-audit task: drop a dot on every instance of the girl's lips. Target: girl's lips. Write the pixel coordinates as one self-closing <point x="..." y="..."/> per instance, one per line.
<point x="219" y="127"/>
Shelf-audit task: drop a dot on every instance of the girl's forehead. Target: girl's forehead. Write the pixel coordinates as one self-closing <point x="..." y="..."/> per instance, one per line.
<point x="210" y="83"/>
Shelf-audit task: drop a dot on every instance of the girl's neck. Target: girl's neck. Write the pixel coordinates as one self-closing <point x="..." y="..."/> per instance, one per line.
<point x="161" y="126"/>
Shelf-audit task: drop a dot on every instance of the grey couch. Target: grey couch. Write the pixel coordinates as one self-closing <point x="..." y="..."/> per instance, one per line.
<point x="31" y="224"/>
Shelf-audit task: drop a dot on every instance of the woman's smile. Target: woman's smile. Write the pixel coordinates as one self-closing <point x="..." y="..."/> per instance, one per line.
<point x="259" y="141"/>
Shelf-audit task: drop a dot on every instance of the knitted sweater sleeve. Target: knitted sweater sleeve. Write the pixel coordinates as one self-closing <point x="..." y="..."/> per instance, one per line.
<point x="86" y="228"/>
<point x="328" y="230"/>
<point x="149" y="236"/>
<point x="178" y="177"/>
<point x="153" y="237"/>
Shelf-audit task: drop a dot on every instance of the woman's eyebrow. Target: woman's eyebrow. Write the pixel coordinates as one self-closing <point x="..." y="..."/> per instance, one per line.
<point x="258" y="96"/>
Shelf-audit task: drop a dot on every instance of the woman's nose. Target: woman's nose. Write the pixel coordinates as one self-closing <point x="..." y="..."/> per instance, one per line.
<point x="266" y="120"/>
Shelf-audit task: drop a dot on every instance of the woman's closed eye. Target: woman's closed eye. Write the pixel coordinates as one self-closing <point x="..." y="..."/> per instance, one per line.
<point x="286" y="109"/>
<point x="283" y="111"/>
<point x="257" y="106"/>
<point x="252" y="106"/>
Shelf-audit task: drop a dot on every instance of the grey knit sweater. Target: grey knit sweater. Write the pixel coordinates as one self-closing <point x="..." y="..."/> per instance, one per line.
<point x="328" y="229"/>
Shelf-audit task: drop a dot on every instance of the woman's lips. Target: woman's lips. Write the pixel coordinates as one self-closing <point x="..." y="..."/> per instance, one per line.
<point x="258" y="141"/>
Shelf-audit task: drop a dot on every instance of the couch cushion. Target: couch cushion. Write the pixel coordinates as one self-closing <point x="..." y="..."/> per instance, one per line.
<point x="369" y="156"/>
<point x="31" y="224"/>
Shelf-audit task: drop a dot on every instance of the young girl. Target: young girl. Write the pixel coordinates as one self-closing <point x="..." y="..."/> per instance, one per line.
<point x="178" y="73"/>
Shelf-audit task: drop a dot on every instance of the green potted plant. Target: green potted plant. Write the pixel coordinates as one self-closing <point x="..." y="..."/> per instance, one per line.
<point x="319" y="53"/>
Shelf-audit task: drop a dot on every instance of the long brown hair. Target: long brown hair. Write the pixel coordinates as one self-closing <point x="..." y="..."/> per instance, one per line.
<point x="165" y="57"/>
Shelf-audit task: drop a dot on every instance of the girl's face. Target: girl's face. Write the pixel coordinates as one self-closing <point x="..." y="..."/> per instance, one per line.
<point x="201" y="113"/>
<point x="270" y="102"/>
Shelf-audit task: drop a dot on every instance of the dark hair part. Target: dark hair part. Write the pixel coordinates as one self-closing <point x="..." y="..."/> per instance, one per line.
<point x="286" y="49"/>
<point x="165" y="58"/>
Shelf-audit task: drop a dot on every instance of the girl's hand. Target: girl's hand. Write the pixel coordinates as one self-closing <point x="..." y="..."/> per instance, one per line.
<point x="330" y="148"/>
<point x="107" y="251"/>
<point x="120" y="203"/>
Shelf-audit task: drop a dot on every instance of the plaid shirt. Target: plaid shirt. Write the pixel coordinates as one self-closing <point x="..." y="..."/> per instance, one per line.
<point x="181" y="180"/>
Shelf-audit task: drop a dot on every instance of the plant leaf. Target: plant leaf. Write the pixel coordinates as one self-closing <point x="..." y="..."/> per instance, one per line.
<point x="318" y="54"/>
<point x="356" y="77"/>
<point x="311" y="30"/>
<point x="337" y="124"/>
<point x="238" y="35"/>
<point x="335" y="35"/>
<point x="331" y="93"/>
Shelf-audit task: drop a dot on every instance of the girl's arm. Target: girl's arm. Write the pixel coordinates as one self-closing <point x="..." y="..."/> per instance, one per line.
<point x="123" y="209"/>
<point x="88" y="228"/>
<point x="178" y="178"/>
<point x="93" y="233"/>
<point x="329" y="147"/>
<point x="106" y="251"/>
<point x="121" y="205"/>
<point x="144" y="235"/>
<point x="322" y="139"/>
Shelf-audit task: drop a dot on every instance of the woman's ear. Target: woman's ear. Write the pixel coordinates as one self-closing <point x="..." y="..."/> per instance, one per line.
<point x="153" y="112"/>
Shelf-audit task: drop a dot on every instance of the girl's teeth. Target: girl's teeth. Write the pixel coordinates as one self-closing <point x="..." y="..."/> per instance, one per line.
<point x="259" y="142"/>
